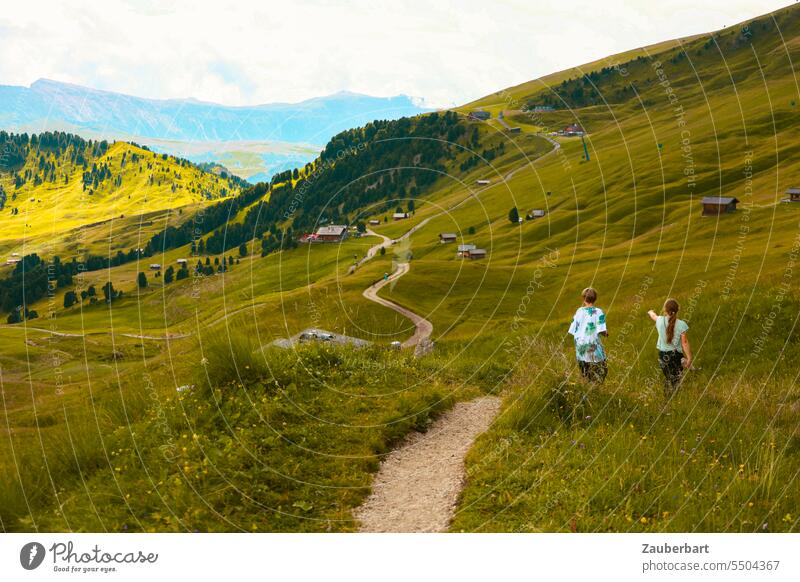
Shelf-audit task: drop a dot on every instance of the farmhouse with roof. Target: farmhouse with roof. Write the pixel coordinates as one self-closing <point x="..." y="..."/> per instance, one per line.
<point x="447" y="237"/>
<point x="716" y="205"/>
<point x="463" y="250"/>
<point x="479" y="115"/>
<point x="574" y="130"/>
<point x="330" y="233"/>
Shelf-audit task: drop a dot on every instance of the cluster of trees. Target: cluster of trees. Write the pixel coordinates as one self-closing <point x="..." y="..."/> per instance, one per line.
<point x="619" y="83"/>
<point x="254" y="226"/>
<point x="219" y="266"/>
<point x="90" y="293"/>
<point x="72" y="297"/>
<point x="17" y="147"/>
<point x="211" y="168"/>
<point x="30" y="280"/>
<point x="97" y="175"/>
<point x="599" y="87"/>
<point x="486" y="155"/>
<point x="34" y="271"/>
<point x="383" y="160"/>
<point x="210" y="219"/>
<point x="20" y="314"/>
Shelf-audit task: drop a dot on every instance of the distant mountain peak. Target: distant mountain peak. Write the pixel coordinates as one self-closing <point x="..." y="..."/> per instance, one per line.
<point x="50" y="104"/>
<point x="51" y="84"/>
<point x="44" y="83"/>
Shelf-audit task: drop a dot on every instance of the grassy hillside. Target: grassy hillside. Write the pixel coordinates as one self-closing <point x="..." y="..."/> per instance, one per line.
<point x="58" y="184"/>
<point x="633" y="210"/>
<point x="712" y="115"/>
<point x="302" y="474"/>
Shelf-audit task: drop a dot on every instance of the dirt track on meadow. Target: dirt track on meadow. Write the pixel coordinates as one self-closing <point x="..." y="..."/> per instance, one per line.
<point x="418" y="484"/>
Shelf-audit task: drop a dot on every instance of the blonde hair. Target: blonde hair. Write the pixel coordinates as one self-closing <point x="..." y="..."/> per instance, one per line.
<point x="589" y="295"/>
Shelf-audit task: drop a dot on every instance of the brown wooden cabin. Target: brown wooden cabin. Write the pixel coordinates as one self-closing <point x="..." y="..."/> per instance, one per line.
<point x="716" y="205"/>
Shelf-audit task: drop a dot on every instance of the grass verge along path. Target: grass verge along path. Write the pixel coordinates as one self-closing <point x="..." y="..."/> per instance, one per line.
<point x="418" y="484"/>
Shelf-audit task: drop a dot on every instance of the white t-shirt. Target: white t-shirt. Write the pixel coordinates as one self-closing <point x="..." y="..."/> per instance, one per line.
<point x="586" y="327"/>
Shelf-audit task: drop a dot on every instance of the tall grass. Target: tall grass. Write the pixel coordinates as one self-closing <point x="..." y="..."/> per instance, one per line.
<point x="571" y="456"/>
<point x="276" y="440"/>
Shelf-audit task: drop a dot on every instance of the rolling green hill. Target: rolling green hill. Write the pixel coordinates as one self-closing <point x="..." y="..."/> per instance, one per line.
<point x="55" y="184"/>
<point x="711" y="115"/>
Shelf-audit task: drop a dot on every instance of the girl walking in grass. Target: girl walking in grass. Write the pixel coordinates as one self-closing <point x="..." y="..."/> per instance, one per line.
<point x="587" y="326"/>
<point x="674" y="352"/>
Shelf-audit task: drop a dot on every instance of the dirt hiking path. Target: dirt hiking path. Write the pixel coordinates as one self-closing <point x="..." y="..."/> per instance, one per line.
<point x="422" y="327"/>
<point x="418" y="484"/>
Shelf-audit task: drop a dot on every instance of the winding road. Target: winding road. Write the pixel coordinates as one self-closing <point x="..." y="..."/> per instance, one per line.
<point x="424" y="328"/>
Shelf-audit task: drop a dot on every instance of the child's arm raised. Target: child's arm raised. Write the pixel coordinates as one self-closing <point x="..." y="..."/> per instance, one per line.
<point x="653" y="315"/>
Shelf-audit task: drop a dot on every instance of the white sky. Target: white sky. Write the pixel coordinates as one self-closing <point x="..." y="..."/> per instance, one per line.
<point x="248" y="52"/>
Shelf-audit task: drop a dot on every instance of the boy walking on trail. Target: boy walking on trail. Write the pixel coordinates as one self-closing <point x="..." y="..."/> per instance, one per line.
<point x="587" y="326"/>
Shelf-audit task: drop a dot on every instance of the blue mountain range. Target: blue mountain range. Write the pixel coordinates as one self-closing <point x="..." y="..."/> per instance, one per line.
<point x="51" y="105"/>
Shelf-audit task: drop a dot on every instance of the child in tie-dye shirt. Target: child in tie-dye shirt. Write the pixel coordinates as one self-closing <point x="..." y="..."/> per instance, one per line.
<point x="587" y="326"/>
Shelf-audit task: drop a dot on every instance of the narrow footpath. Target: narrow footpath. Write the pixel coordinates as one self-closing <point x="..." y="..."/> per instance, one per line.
<point x="418" y="484"/>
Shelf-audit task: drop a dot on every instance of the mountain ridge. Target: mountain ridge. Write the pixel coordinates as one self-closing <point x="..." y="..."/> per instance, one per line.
<point x="313" y="120"/>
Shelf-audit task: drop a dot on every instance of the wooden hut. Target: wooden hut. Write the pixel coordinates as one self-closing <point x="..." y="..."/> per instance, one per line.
<point x="716" y="205"/>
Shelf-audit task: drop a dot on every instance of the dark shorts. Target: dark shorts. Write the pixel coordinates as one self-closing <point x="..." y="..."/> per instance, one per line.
<point x="594" y="371"/>
<point x="670" y="363"/>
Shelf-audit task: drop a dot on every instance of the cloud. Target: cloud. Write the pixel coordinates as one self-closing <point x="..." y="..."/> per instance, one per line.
<point x="257" y="52"/>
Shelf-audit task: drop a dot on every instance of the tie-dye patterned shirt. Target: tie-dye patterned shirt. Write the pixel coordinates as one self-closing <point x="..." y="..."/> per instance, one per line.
<point x="586" y="327"/>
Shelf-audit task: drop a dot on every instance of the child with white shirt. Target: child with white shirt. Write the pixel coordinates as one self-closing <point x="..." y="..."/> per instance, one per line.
<point x="587" y="326"/>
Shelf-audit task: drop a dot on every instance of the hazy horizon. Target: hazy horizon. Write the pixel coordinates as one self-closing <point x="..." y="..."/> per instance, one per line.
<point x="234" y="55"/>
